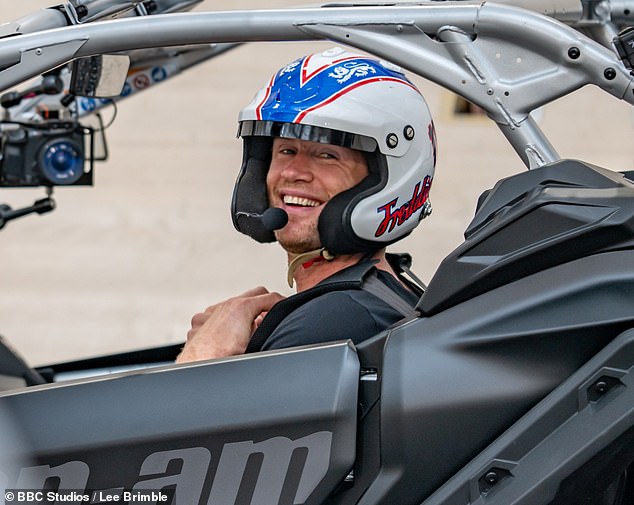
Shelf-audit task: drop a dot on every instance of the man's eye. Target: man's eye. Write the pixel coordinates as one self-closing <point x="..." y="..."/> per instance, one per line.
<point x="287" y="151"/>
<point x="327" y="156"/>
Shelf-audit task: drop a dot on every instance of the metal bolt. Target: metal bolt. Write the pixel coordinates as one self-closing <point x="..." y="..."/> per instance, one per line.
<point x="427" y="209"/>
<point x="574" y="53"/>
<point x="38" y="51"/>
<point x="150" y="6"/>
<point x="489" y="91"/>
<point x="82" y="11"/>
<point x="609" y="73"/>
<point x="491" y="478"/>
<point x="408" y="132"/>
<point x="601" y="387"/>
<point x="392" y="140"/>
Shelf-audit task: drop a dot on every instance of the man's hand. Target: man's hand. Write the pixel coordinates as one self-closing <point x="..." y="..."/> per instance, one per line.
<point x="225" y="329"/>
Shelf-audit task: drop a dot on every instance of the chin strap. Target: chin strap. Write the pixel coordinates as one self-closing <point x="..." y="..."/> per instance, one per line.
<point x="307" y="259"/>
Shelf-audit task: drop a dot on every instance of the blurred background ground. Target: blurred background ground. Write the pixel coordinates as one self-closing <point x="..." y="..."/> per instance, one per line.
<point x="125" y="264"/>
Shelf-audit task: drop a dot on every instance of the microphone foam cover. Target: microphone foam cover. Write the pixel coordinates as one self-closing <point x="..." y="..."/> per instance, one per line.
<point x="274" y="218"/>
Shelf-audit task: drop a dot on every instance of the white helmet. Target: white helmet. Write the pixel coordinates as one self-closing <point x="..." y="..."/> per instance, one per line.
<point x="354" y="101"/>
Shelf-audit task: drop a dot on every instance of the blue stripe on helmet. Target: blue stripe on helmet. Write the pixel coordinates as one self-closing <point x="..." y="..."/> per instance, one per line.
<point x="294" y="91"/>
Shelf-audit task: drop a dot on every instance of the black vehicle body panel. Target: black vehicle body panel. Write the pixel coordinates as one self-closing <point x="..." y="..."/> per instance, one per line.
<point x="454" y="382"/>
<point x="575" y="446"/>
<point x="543" y="281"/>
<point x="278" y="423"/>
<point x="532" y="221"/>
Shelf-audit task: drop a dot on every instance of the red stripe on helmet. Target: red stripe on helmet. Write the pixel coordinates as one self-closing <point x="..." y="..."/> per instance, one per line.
<point x="258" y="108"/>
<point x="305" y="77"/>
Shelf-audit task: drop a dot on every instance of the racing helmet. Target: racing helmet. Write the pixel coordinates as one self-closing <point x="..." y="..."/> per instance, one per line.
<point x="354" y="101"/>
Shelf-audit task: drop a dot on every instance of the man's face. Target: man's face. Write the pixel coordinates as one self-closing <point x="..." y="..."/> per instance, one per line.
<point x="302" y="178"/>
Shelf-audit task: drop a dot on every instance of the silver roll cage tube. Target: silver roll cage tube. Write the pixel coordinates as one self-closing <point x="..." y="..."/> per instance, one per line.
<point x="601" y="20"/>
<point x="507" y="60"/>
<point x="76" y="12"/>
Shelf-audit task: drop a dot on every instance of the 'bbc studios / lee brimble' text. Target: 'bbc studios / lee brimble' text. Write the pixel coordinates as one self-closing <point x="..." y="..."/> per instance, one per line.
<point x="27" y="497"/>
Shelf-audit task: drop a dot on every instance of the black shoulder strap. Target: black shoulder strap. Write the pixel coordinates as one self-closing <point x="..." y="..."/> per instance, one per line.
<point x="360" y="276"/>
<point x="372" y="284"/>
<point x="401" y="263"/>
<point x="350" y="278"/>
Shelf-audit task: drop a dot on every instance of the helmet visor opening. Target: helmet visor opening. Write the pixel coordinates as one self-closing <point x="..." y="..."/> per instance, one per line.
<point x="306" y="132"/>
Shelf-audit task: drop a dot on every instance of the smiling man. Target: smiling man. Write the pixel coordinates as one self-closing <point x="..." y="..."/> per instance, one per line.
<point x="304" y="176"/>
<point x="344" y="145"/>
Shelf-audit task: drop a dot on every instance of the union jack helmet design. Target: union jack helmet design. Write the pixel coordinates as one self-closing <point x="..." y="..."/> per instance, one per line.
<point x="354" y="101"/>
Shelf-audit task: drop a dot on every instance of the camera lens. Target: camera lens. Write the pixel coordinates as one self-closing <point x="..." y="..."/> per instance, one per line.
<point x="62" y="161"/>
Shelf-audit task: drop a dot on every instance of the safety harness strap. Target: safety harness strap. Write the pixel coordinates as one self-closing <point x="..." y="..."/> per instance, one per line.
<point x="360" y="276"/>
<point x="372" y="284"/>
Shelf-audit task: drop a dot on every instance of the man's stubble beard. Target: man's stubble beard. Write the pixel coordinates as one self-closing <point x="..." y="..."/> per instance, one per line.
<point x="300" y="241"/>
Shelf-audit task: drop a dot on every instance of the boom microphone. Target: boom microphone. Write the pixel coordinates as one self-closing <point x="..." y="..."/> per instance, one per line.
<point x="272" y="218"/>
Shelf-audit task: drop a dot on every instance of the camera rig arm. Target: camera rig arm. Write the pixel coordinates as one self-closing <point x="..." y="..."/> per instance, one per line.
<point x="41" y="206"/>
<point x="75" y="12"/>
<point x="147" y="66"/>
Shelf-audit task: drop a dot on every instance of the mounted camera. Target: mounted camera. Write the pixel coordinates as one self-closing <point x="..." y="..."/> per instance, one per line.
<point x="48" y="154"/>
<point x="42" y="142"/>
<point x="55" y="149"/>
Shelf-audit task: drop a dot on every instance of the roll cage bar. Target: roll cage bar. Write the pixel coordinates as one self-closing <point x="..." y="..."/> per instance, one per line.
<point x="507" y="60"/>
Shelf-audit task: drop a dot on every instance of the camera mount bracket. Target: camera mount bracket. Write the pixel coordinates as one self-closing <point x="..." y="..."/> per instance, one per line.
<point x="39" y="206"/>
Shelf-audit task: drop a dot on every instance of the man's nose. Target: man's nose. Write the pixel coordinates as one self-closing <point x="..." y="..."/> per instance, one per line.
<point x="300" y="167"/>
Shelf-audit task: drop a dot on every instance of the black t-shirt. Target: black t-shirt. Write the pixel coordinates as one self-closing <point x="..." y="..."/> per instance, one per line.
<point x="352" y="314"/>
